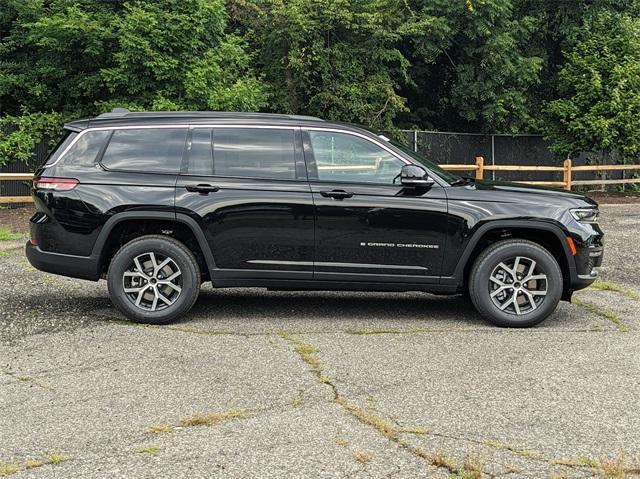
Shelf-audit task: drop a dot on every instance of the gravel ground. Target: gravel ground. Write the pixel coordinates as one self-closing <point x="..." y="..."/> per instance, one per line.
<point x="318" y="384"/>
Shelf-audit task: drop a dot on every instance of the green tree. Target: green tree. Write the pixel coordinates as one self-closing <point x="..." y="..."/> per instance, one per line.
<point x="75" y="58"/>
<point x="598" y="108"/>
<point x="338" y="59"/>
<point x="471" y="67"/>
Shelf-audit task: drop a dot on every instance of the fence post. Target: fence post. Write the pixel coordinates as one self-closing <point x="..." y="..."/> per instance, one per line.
<point x="567" y="174"/>
<point x="479" y="167"/>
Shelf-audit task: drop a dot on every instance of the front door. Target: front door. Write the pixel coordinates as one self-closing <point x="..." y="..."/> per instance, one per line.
<point x="247" y="188"/>
<point x="368" y="227"/>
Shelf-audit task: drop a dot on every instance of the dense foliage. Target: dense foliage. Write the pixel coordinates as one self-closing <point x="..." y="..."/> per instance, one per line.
<point x="567" y="68"/>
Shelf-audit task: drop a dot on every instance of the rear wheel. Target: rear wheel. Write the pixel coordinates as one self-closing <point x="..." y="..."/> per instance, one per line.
<point x="154" y="279"/>
<point x="515" y="283"/>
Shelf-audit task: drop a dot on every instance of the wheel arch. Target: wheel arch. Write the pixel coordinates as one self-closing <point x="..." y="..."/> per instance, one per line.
<point x="130" y="224"/>
<point x="548" y="235"/>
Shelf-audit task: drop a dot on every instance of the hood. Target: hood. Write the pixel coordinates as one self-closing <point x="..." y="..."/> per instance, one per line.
<point x="506" y="192"/>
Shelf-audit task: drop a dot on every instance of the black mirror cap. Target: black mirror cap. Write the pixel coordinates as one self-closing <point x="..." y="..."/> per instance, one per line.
<point x="414" y="175"/>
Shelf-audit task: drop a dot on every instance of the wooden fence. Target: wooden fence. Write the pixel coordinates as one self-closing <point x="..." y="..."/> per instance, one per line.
<point x="479" y="167"/>
<point x="567" y="172"/>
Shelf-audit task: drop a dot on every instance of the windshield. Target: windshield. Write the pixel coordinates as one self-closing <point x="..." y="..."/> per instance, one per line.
<point x="445" y="175"/>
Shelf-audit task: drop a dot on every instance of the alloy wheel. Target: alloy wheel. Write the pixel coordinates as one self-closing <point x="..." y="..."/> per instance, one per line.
<point x="152" y="282"/>
<point x="518" y="285"/>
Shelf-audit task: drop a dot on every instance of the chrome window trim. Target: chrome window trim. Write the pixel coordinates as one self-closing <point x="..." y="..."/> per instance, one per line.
<point x="167" y="125"/>
<point x="406" y="161"/>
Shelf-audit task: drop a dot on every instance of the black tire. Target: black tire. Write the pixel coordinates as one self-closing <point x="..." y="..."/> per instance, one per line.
<point x="480" y="284"/>
<point x="182" y="261"/>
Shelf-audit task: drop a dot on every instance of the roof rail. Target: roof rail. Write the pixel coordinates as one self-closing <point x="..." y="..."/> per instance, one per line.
<point x="123" y="112"/>
<point x="115" y="113"/>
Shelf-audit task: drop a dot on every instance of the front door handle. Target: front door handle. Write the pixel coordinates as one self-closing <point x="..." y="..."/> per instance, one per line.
<point x="202" y="188"/>
<point x="337" y="194"/>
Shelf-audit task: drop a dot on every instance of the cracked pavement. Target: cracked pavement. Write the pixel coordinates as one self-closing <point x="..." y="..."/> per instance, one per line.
<point x="322" y="384"/>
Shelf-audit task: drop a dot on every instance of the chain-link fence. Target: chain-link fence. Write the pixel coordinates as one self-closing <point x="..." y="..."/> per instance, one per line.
<point x="519" y="150"/>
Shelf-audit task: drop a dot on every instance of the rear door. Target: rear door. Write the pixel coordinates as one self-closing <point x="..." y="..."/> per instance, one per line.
<point x="247" y="188"/>
<point x="368" y="227"/>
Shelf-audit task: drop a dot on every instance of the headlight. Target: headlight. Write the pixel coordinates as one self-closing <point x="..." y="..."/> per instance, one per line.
<point x="585" y="215"/>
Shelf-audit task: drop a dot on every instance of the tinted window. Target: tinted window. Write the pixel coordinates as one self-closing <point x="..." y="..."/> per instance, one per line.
<point x="64" y="142"/>
<point x="86" y="149"/>
<point x="201" y="153"/>
<point x="344" y="157"/>
<point x="254" y="152"/>
<point x="156" y="150"/>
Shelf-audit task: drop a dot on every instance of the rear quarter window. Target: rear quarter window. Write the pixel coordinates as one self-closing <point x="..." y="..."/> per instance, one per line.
<point x="149" y="150"/>
<point x="83" y="153"/>
<point x="65" y="141"/>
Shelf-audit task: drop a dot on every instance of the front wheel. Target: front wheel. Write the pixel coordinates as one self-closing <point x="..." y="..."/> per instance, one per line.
<point x="515" y="283"/>
<point x="153" y="279"/>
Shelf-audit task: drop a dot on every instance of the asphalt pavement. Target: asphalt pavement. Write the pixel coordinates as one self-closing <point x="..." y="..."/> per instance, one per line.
<point x="262" y="384"/>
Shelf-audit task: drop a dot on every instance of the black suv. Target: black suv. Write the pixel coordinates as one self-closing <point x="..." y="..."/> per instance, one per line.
<point x="158" y="203"/>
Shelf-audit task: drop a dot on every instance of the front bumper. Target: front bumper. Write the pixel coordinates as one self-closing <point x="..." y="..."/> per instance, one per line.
<point x="83" y="267"/>
<point x="586" y="261"/>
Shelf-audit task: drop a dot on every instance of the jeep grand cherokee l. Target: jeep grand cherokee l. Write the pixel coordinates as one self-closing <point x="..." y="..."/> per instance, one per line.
<point x="158" y="203"/>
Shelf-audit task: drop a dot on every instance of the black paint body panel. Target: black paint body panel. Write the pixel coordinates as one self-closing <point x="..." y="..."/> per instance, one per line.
<point x="288" y="234"/>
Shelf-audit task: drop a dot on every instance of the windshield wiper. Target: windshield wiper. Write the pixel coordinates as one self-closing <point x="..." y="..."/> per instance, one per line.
<point x="463" y="180"/>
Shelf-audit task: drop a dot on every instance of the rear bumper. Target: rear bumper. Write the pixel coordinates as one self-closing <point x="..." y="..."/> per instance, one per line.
<point x="83" y="267"/>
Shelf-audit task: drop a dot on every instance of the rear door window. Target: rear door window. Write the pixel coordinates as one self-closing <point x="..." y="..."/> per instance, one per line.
<point x="152" y="150"/>
<point x="254" y="153"/>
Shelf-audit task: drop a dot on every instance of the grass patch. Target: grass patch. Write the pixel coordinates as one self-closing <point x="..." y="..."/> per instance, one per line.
<point x="159" y="428"/>
<point x="214" y="418"/>
<point x="308" y="355"/>
<point x="473" y="466"/>
<point x="362" y="457"/>
<point x="604" y="313"/>
<point x="152" y="450"/>
<point x="7" y="469"/>
<point x="33" y="463"/>
<point x="7" y="235"/>
<point x="4" y="254"/>
<point x="394" y="331"/>
<point x="413" y="429"/>
<point x="56" y="458"/>
<point x="381" y="425"/>
<point x="439" y="459"/>
<point x="615" y="287"/>
<point x="609" y="468"/>
<point x="340" y="441"/>
<point x="528" y="453"/>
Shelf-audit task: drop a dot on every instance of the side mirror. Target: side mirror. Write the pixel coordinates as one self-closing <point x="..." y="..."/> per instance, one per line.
<point x="413" y="175"/>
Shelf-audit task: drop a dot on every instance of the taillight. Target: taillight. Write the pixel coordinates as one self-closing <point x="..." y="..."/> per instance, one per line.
<point x="56" y="184"/>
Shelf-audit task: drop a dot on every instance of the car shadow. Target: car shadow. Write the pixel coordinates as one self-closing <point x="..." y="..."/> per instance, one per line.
<point x="285" y="305"/>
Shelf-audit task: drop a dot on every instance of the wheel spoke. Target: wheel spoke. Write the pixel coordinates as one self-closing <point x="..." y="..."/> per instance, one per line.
<point x="139" y="267"/>
<point x="164" y="298"/>
<point x="508" y="270"/>
<point x="504" y="305"/>
<point x="140" y="296"/>
<point x="162" y="265"/>
<point x="498" y="291"/>
<point x="529" y="297"/>
<point x="154" y="304"/>
<point x="518" y="285"/>
<point x="135" y="290"/>
<point x="171" y="285"/>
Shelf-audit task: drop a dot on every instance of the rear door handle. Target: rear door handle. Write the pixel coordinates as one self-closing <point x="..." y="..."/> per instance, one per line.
<point x="337" y="194"/>
<point x="202" y="188"/>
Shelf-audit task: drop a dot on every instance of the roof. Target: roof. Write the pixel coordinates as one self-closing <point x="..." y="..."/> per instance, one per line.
<point x="122" y="116"/>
